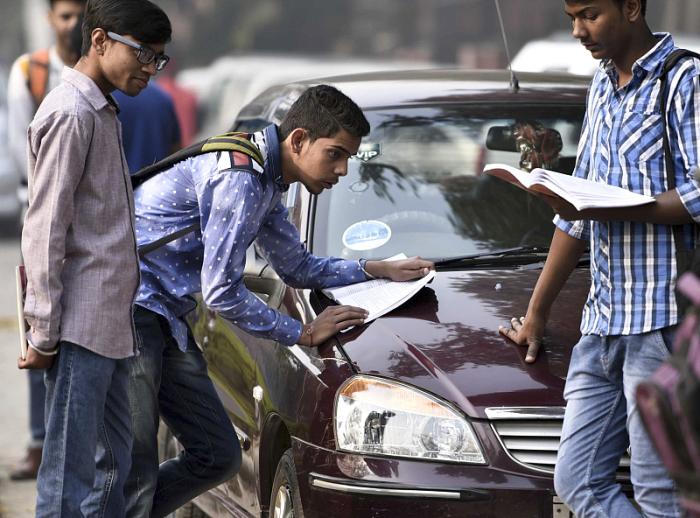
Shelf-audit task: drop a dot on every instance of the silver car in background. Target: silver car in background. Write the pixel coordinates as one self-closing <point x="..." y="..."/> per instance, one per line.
<point x="9" y="175"/>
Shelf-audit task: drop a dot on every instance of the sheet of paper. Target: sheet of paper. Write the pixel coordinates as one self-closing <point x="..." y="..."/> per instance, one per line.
<point x="378" y="296"/>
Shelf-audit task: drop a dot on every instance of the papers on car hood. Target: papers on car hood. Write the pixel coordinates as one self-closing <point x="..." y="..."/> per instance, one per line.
<point x="378" y="296"/>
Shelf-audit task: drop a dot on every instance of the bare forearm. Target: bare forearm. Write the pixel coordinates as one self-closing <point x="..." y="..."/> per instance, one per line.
<point x="564" y="255"/>
<point x="668" y="210"/>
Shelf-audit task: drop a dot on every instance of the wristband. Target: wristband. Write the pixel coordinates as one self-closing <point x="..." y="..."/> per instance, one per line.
<point x="363" y="264"/>
<point x="309" y="331"/>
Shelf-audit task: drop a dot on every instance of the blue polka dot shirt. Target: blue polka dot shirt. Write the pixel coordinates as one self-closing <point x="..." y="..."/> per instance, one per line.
<point x="235" y="206"/>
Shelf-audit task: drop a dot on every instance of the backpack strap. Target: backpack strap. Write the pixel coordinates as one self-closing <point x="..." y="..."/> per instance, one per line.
<point x="145" y="249"/>
<point x="671" y="61"/>
<point x="38" y="75"/>
<point x="685" y="259"/>
<point x="233" y="142"/>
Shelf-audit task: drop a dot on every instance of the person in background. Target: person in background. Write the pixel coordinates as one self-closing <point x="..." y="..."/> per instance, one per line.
<point x="32" y="76"/>
<point x="150" y="129"/>
<point x="185" y="104"/>
<point x="81" y="261"/>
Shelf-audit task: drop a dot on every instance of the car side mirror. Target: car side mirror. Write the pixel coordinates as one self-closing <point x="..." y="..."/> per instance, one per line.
<point x="501" y="138"/>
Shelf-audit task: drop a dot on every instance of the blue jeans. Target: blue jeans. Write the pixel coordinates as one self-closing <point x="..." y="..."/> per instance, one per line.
<point x="88" y="436"/>
<point x="167" y="381"/>
<point x="37" y="401"/>
<point x="602" y="419"/>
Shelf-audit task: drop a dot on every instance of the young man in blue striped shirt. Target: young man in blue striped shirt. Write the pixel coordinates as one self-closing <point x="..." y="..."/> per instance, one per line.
<point x="630" y="317"/>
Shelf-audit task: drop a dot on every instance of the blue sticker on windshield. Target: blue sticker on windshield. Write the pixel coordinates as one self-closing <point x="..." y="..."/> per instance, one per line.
<point x="366" y="235"/>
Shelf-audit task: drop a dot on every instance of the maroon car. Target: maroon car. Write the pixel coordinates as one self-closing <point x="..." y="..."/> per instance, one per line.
<point x="426" y="411"/>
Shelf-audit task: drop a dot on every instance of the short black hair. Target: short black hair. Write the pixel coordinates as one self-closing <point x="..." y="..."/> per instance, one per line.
<point x="52" y="2"/>
<point x="643" y="3"/>
<point x="141" y="19"/>
<point x="619" y="3"/>
<point x="323" y="111"/>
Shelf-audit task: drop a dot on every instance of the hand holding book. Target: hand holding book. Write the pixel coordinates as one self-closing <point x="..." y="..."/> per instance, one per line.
<point x="580" y="193"/>
<point x="21" y="287"/>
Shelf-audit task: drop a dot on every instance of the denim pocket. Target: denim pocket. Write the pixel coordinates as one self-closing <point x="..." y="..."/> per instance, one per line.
<point x="662" y="339"/>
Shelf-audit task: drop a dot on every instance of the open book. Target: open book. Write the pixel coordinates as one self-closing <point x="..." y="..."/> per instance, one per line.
<point x="582" y="194"/>
<point x="378" y="296"/>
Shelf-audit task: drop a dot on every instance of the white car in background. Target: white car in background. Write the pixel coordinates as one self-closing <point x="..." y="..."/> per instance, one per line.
<point x="230" y="82"/>
<point x="561" y="52"/>
<point x="9" y="175"/>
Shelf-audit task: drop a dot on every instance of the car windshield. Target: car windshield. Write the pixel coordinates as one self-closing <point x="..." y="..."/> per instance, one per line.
<point x="417" y="186"/>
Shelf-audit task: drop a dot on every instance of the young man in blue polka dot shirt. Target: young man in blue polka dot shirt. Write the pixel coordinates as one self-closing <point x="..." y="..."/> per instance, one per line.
<point x="236" y="201"/>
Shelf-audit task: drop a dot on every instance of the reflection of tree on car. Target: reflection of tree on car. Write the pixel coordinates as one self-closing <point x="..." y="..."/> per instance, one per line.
<point x="429" y="193"/>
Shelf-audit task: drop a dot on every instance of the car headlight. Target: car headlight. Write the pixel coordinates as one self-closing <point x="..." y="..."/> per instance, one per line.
<point x="383" y="417"/>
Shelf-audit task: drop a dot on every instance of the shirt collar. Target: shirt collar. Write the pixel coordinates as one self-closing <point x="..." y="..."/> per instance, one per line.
<point x="273" y="159"/>
<point x="649" y="63"/>
<point x="88" y="88"/>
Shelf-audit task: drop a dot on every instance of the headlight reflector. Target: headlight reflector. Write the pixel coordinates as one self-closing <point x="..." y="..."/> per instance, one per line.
<point x="378" y="416"/>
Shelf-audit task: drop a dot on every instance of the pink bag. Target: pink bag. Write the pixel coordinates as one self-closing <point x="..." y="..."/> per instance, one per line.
<point x="669" y="403"/>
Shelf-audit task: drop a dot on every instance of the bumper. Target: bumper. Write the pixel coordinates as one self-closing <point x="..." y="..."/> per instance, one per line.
<point x="361" y="486"/>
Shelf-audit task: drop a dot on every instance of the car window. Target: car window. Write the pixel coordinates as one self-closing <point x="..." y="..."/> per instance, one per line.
<point x="417" y="186"/>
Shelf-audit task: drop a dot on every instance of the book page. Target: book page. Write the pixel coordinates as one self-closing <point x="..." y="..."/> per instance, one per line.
<point x="581" y="193"/>
<point x="20" y="285"/>
<point x="378" y="296"/>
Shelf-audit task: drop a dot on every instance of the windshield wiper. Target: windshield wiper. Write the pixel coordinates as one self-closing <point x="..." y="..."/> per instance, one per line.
<point x="511" y="255"/>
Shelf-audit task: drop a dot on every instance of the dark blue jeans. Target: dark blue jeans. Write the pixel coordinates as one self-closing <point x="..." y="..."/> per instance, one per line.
<point x="37" y="401"/>
<point x="88" y="437"/>
<point x="167" y="381"/>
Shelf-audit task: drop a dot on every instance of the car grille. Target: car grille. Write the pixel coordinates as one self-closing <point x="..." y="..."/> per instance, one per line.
<point x="531" y="436"/>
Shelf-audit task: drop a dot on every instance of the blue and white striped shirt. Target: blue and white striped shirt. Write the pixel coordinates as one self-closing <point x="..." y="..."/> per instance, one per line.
<point x="237" y="202"/>
<point x="633" y="265"/>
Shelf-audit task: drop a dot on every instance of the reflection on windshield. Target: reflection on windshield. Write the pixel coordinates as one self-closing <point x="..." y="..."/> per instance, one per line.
<point x="418" y="188"/>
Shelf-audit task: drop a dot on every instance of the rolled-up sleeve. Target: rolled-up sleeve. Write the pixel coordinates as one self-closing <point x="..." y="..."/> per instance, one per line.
<point x="577" y="229"/>
<point x="58" y="150"/>
<point x="685" y="130"/>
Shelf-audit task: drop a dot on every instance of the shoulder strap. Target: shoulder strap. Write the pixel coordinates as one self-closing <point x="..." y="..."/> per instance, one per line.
<point x="235" y="142"/>
<point x="38" y="75"/>
<point x="671" y="61"/>
<point x="23" y="63"/>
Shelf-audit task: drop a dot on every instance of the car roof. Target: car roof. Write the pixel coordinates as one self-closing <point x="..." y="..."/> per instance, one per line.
<point x="435" y="87"/>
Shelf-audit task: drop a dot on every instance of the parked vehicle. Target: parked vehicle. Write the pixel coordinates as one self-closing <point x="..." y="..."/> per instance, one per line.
<point x="426" y="411"/>
<point x="561" y="52"/>
<point x="230" y="82"/>
<point x="9" y="175"/>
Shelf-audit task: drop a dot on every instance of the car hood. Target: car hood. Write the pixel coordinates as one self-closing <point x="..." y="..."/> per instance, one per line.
<point x="445" y="340"/>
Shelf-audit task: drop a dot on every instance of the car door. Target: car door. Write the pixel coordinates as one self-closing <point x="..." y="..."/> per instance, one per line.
<point x="234" y="359"/>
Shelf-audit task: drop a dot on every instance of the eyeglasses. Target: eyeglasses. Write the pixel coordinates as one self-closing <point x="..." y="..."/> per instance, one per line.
<point x="145" y="55"/>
